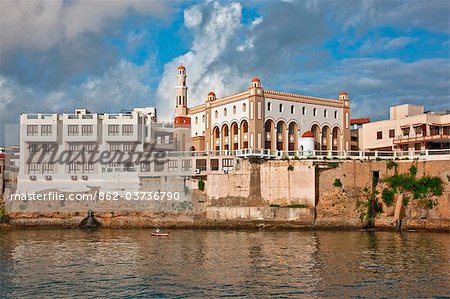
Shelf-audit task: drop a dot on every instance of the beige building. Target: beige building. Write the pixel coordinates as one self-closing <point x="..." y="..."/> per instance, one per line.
<point x="260" y="118"/>
<point x="408" y="128"/>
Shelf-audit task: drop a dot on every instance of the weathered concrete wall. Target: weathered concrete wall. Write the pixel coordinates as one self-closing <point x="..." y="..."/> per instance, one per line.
<point x="347" y="203"/>
<point x="282" y="186"/>
<point x="260" y="213"/>
<point x="263" y="183"/>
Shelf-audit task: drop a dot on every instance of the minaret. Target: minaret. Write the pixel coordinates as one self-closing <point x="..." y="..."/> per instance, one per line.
<point x="181" y="93"/>
<point x="182" y="122"/>
<point x="345" y="143"/>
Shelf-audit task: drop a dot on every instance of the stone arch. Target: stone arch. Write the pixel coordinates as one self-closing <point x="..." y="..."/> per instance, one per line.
<point x="281" y="135"/>
<point x="216" y="138"/>
<point x="244" y="134"/>
<point x="336" y="138"/>
<point x="270" y="139"/>
<point x="234" y="136"/>
<point x="225" y="137"/>
<point x="315" y="129"/>
<point x="326" y="138"/>
<point x="293" y="130"/>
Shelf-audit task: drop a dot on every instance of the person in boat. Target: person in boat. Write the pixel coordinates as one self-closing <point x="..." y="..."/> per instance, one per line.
<point x="158" y="230"/>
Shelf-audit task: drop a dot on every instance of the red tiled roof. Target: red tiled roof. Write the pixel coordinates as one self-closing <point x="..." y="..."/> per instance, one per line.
<point x="359" y="121"/>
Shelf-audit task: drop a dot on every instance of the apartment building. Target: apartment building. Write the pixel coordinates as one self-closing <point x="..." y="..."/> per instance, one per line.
<point x="82" y="150"/>
<point x="408" y="128"/>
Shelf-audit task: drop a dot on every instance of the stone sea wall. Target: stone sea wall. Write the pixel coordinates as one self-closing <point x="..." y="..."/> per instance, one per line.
<point x="279" y="194"/>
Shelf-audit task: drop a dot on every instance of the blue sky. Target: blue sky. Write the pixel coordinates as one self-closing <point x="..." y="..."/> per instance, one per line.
<point x="111" y="55"/>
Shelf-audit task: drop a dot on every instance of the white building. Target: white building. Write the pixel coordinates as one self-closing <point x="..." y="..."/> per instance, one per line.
<point x="260" y="118"/>
<point x="408" y="128"/>
<point x="79" y="151"/>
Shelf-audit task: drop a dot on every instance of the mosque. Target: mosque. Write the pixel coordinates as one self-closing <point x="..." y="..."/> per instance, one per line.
<point x="260" y="118"/>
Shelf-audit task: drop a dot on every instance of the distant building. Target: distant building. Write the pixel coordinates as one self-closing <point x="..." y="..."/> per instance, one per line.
<point x="260" y="118"/>
<point x="408" y="128"/>
<point x="356" y="132"/>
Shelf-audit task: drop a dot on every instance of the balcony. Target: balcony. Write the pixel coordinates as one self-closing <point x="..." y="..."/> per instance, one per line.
<point x="405" y="139"/>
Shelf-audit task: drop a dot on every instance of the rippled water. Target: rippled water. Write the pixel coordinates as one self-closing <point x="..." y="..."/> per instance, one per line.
<point x="300" y="264"/>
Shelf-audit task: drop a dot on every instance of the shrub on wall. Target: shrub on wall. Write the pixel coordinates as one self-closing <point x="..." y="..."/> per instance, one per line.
<point x="291" y="167"/>
<point x="424" y="189"/>
<point x="388" y="196"/>
<point x="201" y="185"/>
<point x="337" y="183"/>
<point x="4" y="218"/>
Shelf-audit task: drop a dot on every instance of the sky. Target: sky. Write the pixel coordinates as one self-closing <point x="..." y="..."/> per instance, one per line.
<point x="106" y="56"/>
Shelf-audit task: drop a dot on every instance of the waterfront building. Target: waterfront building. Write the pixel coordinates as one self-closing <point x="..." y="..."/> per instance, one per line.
<point x="355" y="132"/>
<point x="67" y="149"/>
<point x="260" y="118"/>
<point x="408" y="128"/>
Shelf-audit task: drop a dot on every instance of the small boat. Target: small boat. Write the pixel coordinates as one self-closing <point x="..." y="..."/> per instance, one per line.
<point x="159" y="235"/>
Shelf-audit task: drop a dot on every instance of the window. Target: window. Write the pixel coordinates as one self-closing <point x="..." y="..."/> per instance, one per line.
<point x="280" y="107"/>
<point x="114" y="146"/>
<point x="203" y="118"/>
<point x="33" y="148"/>
<point x="127" y="130"/>
<point x="304" y="110"/>
<point x="269" y="106"/>
<point x="292" y="109"/>
<point x="216" y="114"/>
<point x="405" y="131"/>
<point x="128" y="147"/>
<point x="417" y="146"/>
<point x="89" y="147"/>
<point x="335" y="114"/>
<point x="72" y="130"/>
<point x="86" y="130"/>
<point x="145" y="166"/>
<point x="214" y="163"/>
<point x="47" y="167"/>
<point x="47" y="148"/>
<point x="379" y="135"/>
<point x="418" y="130"/>
<point x="234" y="109"/>
<point x="88" y="167"/>
<point x="196" y="120"/>
<point x="325" y="113"/>
<point x="113" y="130"/>
<point x="391" y="133"/>
<point x="314" y="112"/>
<point x="225" y="112"/>
<point x="446" y="130"/>
<point x="74" y="167"/>
<point x="244" y="107"/>
<point x="33" y="167"/>
<point x="46" y="130"/>
<point x="32" y="130"/>
<point x="74" y="147"/>
<point x="173" y="165"/>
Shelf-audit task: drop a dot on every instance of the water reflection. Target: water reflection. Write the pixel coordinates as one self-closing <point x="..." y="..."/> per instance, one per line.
<point x="118" y="263"/>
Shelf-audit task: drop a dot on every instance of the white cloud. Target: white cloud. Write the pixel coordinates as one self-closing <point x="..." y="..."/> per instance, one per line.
<point x="43" y="24"/>
<point x="119" y="87"/>
<point x="192" y="17"/>
<point x="211" y="40"/>
<point x="399" y="42"/>
<point x="386" y="44"/>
